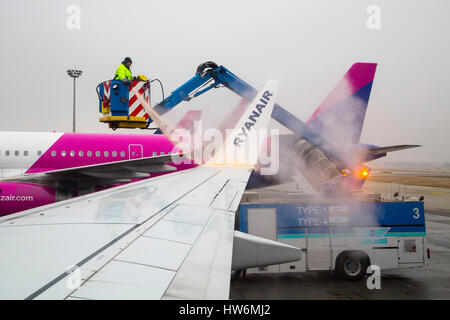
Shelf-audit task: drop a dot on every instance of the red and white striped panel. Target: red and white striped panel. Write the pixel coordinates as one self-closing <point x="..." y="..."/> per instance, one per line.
<point x="106" y="96"/>
<point x="135" y="108"/>
<point x="106" y="91"/>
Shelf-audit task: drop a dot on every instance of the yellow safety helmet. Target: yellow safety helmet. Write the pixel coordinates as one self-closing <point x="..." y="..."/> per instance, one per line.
<point x="142" y="77"/>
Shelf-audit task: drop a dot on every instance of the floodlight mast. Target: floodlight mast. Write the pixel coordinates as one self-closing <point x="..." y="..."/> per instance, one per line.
<point x="74" y="73"/>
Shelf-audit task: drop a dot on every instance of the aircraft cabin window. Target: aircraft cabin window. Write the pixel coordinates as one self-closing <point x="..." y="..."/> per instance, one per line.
<point x="155" y="153"/>
<point x="72" y="153"/>
<point x="97" y="153"/>
<point x="80" y="153"/>
<point x="89" y="153"/>
<point x="63" y="153"/>
<point x="122" y="154"/>
<point x="53" y="153"/>
<point x="162" y="153"/>
<point x="7" y="153"/>
<point x="25" y="153"/>
<point x="114" y="154"/>
<point x="16" y="153"/>
<point x="39" y="153"/>
<point x="106" y="153"/>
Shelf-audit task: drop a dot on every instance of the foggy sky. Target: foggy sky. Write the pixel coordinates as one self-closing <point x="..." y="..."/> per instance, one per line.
<point x="307" y="45"/>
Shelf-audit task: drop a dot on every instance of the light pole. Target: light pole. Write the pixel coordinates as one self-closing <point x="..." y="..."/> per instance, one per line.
<point x="74" y="74"/>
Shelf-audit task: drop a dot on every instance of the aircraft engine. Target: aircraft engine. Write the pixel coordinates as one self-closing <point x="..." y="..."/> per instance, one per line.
<point x="313" y="163"/>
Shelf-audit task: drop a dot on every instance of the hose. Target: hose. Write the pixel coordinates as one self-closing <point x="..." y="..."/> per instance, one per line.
<point x="96" y="89"/>
<point x="98" y="93"/>
<point x="160" y="84"/>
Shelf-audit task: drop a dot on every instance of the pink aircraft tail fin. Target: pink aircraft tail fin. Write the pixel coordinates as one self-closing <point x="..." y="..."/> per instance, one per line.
<point x="187" y="122"/>
<point x="340" y="116"/>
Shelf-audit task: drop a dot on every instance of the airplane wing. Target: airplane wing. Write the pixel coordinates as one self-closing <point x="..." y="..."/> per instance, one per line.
<point x="112" y="171"/>
<point x="170" y="237"/>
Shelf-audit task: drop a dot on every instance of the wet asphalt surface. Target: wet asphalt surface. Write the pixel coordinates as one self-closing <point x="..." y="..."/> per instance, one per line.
<point x="431" y="282"/>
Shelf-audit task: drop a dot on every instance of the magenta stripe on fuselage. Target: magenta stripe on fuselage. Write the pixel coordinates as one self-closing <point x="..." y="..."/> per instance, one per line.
<point x="76" y="147"/>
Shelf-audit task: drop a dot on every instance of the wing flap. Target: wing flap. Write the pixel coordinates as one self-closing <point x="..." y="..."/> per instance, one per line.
<point x="211" y="255"/>
<point x="125" y="174"/>
<point x="122" y="280"/>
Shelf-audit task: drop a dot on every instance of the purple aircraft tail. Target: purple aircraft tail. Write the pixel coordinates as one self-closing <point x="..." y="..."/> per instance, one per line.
<point x="340" y="117"/>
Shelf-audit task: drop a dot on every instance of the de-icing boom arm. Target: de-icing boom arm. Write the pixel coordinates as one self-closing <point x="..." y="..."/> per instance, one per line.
<point x="209" y="75"/>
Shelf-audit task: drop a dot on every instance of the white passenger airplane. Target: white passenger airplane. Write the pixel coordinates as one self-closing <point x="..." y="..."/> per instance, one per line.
<point x="171" y="237"/>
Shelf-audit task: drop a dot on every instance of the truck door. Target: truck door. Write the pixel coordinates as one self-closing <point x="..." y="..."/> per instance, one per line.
<point x="135" y="150"/>
<point x="410" y="250"/>
<point x="318" y="249"/>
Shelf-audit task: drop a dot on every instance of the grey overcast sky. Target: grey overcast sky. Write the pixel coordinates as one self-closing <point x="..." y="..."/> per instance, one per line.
<point x="307" y="44"/>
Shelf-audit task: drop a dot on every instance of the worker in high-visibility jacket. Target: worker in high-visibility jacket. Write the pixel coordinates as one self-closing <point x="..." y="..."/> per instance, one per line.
<point x="123" y="72"/>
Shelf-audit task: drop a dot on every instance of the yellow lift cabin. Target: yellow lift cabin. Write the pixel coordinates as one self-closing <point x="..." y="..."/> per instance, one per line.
<point x="120" y="106"/>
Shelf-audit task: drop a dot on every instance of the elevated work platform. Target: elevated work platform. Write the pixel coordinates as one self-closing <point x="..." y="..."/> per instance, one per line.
<point x="120" y="106"/>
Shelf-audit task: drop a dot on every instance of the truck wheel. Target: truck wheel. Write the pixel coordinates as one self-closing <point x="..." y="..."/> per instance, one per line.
<point x="352" y="265"/>
<point x="235" y="274"/>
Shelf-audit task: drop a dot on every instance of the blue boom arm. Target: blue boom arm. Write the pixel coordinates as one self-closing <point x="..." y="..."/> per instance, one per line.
<point x="209" y="76"/>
